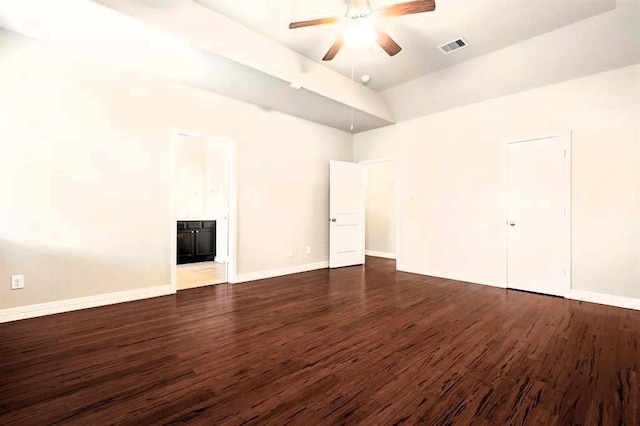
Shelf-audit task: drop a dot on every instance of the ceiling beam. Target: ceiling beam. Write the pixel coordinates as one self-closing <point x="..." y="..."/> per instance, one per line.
<point x="189" y="44"/>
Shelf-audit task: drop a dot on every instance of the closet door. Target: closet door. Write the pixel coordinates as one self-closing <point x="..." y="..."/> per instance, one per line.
<point x="539" y="244"/>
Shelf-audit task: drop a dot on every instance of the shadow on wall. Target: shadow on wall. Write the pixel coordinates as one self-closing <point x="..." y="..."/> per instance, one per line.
<point x="55" y="273"/>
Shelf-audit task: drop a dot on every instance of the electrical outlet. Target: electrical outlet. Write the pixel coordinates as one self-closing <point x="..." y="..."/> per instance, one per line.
<point x="290" y="252"/>
<point x="308" y="251"/>
<point x="17" y="282"/>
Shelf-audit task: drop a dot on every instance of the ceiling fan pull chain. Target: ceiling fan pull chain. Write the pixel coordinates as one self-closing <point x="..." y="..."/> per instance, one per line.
<point x="353" y="94"/>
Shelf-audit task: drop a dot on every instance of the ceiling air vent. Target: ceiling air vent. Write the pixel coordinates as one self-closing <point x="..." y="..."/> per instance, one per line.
<point x="454" y="45"/>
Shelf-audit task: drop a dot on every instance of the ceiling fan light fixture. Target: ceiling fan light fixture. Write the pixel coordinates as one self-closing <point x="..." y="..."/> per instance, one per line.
<point x="360" y="34"/>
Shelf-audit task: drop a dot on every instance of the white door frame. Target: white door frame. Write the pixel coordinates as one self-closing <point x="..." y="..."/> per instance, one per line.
<point x="566" y="139"/>
<point x="232" y="216"/>
<point x="366" y="187"/>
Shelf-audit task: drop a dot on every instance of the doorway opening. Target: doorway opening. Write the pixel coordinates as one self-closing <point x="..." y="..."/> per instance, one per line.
<point x="363" y="211"/>
<point x="381" y="207"/>
<point x="203" y="211"/>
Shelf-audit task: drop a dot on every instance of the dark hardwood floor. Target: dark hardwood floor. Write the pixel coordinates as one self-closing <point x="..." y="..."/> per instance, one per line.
<point x="356" y="345"/>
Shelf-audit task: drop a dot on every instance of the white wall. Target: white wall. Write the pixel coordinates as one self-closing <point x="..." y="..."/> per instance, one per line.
<point x="86" y="171"/>
<point x="217" y="194"/>
<point x="191" y="191"/>
<point x="381" y="207"/>
<point x="201" y="187"/>
<point x="452" y="218"/>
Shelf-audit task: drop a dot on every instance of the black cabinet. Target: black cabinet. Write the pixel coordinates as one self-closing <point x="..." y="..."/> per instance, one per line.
<point x="185" y="246"/>
<point x="196" y="241"/>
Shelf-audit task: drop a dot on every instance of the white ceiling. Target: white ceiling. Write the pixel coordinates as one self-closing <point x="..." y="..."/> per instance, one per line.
<point x="84" y="27"/>
<point x="186" y="42"/>
<point x="488" y="25"/>
<point x="603" y="42"/>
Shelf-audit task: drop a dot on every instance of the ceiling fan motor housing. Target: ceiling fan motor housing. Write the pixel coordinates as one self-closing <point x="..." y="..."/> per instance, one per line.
<point x="359" y="9"/>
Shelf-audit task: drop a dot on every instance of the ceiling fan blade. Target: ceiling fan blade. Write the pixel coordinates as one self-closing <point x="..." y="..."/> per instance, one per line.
<point x="408" y="8"/>
<point x="333" y="50"/>
<point x="387" y="43"/>
<point x="322" y="21"/>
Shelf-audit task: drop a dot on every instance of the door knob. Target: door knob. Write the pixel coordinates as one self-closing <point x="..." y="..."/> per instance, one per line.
<point x="512" y="223"/>
<point x="333" y="219"/>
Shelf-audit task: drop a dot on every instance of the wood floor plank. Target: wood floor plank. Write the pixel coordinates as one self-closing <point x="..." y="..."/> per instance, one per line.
<point x="360" y="345"/>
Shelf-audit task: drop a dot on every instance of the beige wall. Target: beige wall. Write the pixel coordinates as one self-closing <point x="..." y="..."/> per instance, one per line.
<point x="452" y="221"/>
<point x="85" y="153"/>
<point x="381" y="207"/>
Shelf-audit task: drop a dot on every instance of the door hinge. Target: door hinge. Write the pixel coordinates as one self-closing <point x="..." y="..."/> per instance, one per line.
<point x="565" y="153"/>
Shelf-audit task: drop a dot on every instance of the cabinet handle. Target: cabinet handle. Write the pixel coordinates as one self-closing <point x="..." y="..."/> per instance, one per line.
<point x="197" y="232"/>
<point x="192" y="232"/>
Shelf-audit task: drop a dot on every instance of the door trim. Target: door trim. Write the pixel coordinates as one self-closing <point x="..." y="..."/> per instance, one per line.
<point x="566" y="140"/>
<point x="232" y="217"/>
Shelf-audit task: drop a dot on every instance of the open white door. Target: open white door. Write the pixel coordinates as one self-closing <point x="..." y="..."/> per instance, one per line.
<point x="539" y="238"/>
<point x="346" y="211"/>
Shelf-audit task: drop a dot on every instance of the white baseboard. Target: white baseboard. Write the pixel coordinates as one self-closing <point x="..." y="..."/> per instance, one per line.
<point x="270" y="273"/>
<point x="380" y="254"/>
<point x="60" y="306"/>
<point x="406" y="268"/>
<point x="584" y="296"/>
<point x="220" y="259"/>
<point x="605" y="299"/>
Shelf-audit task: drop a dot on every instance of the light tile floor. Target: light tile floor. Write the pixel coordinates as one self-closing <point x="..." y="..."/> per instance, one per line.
<point x="200" y="274"/>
